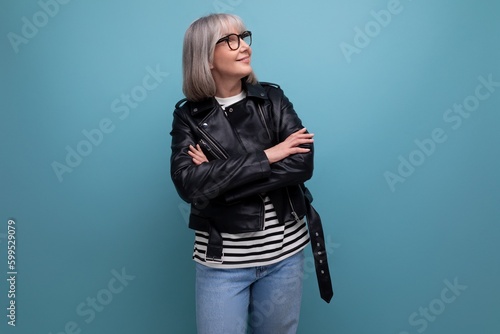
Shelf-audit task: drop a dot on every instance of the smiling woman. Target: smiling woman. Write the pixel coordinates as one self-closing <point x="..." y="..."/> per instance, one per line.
<point x="228" y="66"/>
<point x="240" y="156"/>
<point x="202" y="47"/>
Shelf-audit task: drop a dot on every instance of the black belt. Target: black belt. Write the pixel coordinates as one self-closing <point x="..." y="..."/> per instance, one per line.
<point x="319" y="250"/>
<point x="214" y="251"/>
<point x="215" y="248"/>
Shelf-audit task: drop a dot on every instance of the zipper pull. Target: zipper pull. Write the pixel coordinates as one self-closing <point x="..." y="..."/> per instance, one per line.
<point x="297" y="219"/>
<point x="205" y="145"/>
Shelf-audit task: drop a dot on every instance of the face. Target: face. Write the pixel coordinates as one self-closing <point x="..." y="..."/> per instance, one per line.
<point x="230" y="64"/>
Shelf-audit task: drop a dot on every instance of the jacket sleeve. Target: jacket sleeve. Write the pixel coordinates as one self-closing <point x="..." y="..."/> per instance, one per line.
<point x="195" y="184"/>
<point x="293" y="170"/>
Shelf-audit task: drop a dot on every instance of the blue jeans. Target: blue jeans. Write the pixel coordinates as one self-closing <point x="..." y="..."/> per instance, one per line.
<point x="263" y="300"/>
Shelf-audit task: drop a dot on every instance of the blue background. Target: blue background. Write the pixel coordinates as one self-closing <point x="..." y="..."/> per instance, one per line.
<point x="394" y="249"/>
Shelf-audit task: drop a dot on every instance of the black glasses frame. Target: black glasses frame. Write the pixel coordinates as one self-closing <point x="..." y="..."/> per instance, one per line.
<point x="241" y="36"/>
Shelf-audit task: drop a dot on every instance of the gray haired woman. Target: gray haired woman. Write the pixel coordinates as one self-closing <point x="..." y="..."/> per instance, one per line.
<point x="240" y="156"/>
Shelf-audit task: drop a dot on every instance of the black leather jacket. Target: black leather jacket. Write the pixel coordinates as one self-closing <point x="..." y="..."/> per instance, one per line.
<point x="226" y="193"/>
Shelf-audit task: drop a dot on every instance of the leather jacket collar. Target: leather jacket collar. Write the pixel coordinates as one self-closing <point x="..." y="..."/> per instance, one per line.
<point x="253" y="91"/>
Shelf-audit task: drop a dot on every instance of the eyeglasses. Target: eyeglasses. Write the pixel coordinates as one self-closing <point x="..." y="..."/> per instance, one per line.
<point x="233" y="40"/>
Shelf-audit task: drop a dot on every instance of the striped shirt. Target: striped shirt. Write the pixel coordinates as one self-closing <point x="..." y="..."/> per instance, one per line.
<point x="274" y="243"/>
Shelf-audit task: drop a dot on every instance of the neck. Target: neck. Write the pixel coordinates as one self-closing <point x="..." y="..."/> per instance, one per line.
<point x="228" y="89"/>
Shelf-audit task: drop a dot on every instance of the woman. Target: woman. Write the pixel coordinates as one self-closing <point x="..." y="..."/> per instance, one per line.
<point x="240" y="156"/>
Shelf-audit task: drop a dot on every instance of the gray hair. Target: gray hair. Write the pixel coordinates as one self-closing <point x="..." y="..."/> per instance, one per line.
<point x="198" y="53"/>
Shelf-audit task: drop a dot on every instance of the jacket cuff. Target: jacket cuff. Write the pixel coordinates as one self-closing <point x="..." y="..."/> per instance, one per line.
<point x="265" y="166"/>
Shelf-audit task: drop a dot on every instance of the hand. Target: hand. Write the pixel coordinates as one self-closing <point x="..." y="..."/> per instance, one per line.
<point x="197" y="154"/>
<point x="291" y="145"/>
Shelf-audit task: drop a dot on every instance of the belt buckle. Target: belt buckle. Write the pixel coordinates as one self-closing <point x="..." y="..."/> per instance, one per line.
<point x="214" y="259"/>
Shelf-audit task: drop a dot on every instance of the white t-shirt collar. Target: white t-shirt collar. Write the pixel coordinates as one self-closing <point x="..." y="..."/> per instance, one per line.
<point x="227" y="101"/>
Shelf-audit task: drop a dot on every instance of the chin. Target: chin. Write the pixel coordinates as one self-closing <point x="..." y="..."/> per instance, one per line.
<point x="248" y="72"/>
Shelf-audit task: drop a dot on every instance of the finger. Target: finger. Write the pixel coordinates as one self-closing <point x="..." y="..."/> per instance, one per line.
<point x="199" y="160"/>
<point x="196" y="150"/>
<point x="192" y="153"/>
<point x="296" y="150"/>
<point x="298" y="132"/>
<point x="304" y="135"/>
<point x="300" y="136"/>
<point x="201" y="155"/>
<point x="198" y="157"/>
<point x="302" y="141"/>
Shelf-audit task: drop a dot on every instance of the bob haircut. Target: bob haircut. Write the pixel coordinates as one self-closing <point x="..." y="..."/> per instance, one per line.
<point x="198" y="53"/>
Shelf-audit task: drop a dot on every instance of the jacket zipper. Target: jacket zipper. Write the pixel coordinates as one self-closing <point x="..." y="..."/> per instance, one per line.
<point x="215" y="150"/>
<point x="262" y="216"/>
<point x="204" y="144"/>
<point x="264" y="121"/>
<point x="294" y="214"/>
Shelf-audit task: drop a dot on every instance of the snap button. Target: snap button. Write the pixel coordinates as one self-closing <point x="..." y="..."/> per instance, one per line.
<point x="195" y="109"/>
<point x="230" y="109"/>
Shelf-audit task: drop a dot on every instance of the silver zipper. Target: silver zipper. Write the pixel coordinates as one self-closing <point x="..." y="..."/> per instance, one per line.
<point x="215" y="150"/>
<point x="264" y="206"/>
<point x="207" y="147"/>
<point x="294" y="214"/>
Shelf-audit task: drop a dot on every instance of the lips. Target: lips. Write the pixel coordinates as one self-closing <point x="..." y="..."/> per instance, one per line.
<point x="245" y="59"/>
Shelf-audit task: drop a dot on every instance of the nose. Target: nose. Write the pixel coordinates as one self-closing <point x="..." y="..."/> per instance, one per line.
<point x="243" y="44"/>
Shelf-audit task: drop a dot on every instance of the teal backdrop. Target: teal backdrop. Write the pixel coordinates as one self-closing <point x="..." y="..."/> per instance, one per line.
<point x="403" y="98"/>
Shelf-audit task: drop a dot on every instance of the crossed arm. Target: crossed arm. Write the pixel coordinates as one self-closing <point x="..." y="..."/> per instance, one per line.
<point x="290" y="146"/>
<point x="288" y="162"/>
